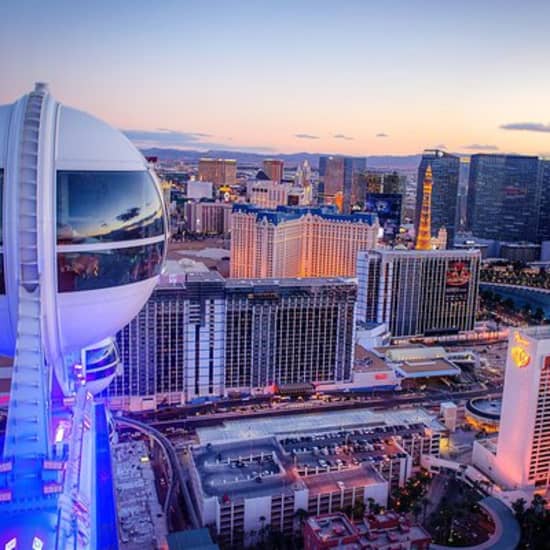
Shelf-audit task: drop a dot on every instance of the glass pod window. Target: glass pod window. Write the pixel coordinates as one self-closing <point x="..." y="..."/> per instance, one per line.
<point x="108" y="268"/>
<point x="107" y="206"/>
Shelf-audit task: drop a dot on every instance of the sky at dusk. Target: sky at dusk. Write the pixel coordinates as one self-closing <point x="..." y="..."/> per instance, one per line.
<point x="358" y="77"/>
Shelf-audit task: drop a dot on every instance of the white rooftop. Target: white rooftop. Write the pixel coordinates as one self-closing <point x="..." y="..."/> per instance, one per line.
<point x="252" y="428"/>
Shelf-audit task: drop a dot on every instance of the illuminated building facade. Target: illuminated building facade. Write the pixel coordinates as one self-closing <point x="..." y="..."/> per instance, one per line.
<point x="267" y="193"/>
<point x="418" y="292"/>
<point x="173" y="351"/>
<point x="82" y="240"/>
<point x="200" y="336"/>
<point x="387" y="206"/>
<point x="521" y="457"/>
<point x="298" y="241"/>
<point x="218" y="171"/>
<point x="336" y="176"/>
<point x="288" y="331"/>
<point x="502" y="197"/>
<point x="210" y="218"/>
<point x="424" y="228"/>
<point x="444" y="193"/>
<point x="274" y="169"/>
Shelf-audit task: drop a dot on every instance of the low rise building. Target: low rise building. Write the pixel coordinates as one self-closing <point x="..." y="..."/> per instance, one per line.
<point x="244" y="487"/>
<point x="330" y="531"/>
<point x="385" y="531"/>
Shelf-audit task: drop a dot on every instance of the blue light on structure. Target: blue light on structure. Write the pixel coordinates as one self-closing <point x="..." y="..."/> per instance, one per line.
<point x="82" y="242"/>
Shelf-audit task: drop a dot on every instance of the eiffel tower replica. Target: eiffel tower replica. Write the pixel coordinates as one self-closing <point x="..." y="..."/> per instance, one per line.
<point x="424" y="235"/>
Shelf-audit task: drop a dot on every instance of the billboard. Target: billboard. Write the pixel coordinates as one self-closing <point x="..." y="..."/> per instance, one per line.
<point x="388" y="208"/>
<point x="457" y="280"/>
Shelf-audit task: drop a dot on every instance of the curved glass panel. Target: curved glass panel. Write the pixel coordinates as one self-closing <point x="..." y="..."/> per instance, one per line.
<point x="98" y="358"/>
<point x="100" y="374"/>
<point x="108" y="268"/>
<point x="2" y="281"/>
<point x="107" y="206"/>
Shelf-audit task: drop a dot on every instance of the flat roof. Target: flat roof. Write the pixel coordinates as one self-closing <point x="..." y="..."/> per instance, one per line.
<point x="537" y="333"/>
<point x="366" y="360"/>
<point x="255" y="428"/>
<point x="415" y="353"/>
<point x="331" y="482"/>
<point x="333" y="527"/>
<point x="232" y="470"/>
<point x="422" y="369"/>
<point x="484" y="406"/>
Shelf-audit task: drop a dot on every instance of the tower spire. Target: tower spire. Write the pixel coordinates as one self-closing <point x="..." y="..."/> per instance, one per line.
<point x="424" y="234"/>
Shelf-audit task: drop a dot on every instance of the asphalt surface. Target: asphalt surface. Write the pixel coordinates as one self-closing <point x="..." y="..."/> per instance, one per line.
<point x="182" y="421"/>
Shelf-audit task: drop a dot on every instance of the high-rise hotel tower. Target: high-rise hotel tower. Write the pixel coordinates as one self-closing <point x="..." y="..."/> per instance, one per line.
<point x="521" y="457"/>
<point x="298" y="241"/>
<point x="418" y="292"/>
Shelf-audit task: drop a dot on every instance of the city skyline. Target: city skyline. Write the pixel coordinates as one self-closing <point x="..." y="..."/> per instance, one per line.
<point x="359" y="79"/>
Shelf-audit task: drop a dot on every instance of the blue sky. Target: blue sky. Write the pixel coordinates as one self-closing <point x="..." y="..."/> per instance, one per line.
<point x="362" y="77"/>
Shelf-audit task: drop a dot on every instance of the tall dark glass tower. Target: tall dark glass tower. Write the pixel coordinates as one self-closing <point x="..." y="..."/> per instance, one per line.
<point x="445" y="171"/>
<point x="336" y="176"/>
<point x="502" y="197"/>
<point x="543" y="233"/>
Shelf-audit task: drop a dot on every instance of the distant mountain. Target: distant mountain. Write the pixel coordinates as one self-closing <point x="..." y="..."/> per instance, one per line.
<point x="244" y="159"/>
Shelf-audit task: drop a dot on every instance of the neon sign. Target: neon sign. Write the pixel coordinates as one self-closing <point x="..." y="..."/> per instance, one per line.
<point x="519" y="339"/>
<point x="520" y="357"/>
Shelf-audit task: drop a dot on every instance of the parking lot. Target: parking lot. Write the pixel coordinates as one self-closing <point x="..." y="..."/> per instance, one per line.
<point x="347" y="448"/>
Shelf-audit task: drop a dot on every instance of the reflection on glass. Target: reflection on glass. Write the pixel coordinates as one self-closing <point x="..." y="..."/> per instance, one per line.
<point x="107" y="206"/>
<point x="108" y="268"/>
<point x="100" y="374"/>
<point x="2" y="282"/>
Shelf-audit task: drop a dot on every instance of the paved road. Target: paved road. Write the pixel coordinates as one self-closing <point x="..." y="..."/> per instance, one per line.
<point x="179" y="475"/>
<point x="383" y="403"/>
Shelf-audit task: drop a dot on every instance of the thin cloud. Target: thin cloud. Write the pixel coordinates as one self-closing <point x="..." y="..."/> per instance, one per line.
<point x="194" y="134"/>
<point x="480" y="147"/>
<point x="165" y="138"/>
<point x="382" y="135"/>
<point x="305" y="136"/>
<point x="440" y="146"/>
<point x="527" y="126"/>
<point x="342" y="136"/>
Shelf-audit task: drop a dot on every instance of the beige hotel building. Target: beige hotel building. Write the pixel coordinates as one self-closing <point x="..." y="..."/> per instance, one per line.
<point x="298" y="241"/>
